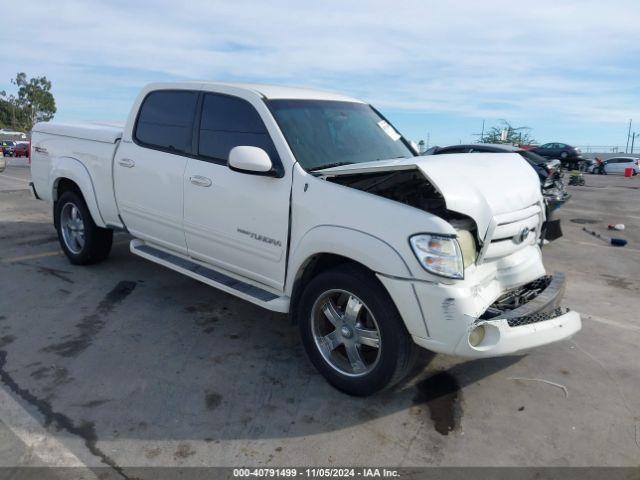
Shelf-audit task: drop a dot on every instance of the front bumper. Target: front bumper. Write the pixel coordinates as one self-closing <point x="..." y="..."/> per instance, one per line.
<point x="537" y="322"/>
<point x="450" y="313"/>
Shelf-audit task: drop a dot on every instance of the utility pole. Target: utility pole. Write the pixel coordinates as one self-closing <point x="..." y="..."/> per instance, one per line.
<point x="481" y="134"/>
<point x="626" y="150"/>
<point x="633" y="140"/>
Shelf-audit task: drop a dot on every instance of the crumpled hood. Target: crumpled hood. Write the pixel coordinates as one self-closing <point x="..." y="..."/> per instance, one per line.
<point x="479" y="185"/>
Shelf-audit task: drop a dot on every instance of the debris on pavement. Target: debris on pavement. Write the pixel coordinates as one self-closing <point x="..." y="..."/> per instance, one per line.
<point x="566" y="392"/>
<point x="615" y="241"/>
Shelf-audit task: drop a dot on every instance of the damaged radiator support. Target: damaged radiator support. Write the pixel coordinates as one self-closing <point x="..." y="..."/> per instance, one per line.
<point x="531" y="303"/>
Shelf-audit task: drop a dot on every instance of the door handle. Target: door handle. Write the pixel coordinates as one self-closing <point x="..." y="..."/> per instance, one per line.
<point x="200" y="181"/>
<point x="126" y="162"/>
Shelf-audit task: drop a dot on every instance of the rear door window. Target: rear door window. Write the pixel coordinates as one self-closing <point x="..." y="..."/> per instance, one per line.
<point x="228" y="122"/>
<point x="165" y="121"/>
<point x="453" y="150"/>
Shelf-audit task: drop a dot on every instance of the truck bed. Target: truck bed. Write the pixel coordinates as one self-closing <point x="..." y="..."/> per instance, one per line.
<point x="57" y="148"/>
<point x="106" y="133"/>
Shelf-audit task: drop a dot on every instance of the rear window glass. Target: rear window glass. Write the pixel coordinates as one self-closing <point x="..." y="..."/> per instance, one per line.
<point x="165" y="120"/>
<point x="229" y="122"/>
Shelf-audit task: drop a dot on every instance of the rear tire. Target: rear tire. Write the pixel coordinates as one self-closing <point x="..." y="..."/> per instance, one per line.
<point x="83" y="242"/>
<point x="342" y="314"/>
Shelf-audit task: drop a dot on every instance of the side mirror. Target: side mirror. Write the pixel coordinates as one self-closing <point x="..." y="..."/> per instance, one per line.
<point x="251" y="160"/>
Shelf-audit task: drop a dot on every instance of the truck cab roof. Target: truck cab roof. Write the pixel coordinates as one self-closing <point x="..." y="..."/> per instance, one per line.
<point x="265" y="91"/>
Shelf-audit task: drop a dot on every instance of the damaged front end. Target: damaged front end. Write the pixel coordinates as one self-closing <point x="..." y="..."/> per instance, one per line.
<point x="495" y="215"/>
<point x="411" y="188"/>
<point x="520" y="319"/>
<point x="533" y="302"/>
<point x="504" y="302"/>
<point x="405" y="186"/>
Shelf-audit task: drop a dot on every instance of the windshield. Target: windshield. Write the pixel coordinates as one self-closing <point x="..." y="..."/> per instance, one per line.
<point x="534" y="157"/>
<point x="324" y="133"/>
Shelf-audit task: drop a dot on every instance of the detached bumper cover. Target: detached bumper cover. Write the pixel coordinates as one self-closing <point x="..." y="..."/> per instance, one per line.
<point x="537" y="322"/>
<point x="520" y="319"/>
<point x="505" y="340"/>
<point x="534" y="302"/>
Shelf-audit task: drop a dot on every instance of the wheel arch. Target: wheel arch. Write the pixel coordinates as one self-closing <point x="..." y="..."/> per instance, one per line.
<point x="320" y="250"/>
<point x="69" y="174"/>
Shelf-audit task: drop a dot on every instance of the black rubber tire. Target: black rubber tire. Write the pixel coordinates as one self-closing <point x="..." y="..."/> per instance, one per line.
<point x="398" y="351"/>
<point x="98" y="240"/>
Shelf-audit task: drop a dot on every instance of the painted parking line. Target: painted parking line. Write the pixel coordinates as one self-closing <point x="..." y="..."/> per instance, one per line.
<point x="17" y="179"/>
<point x="31" y="257"/>
<point x="612" y="323"/>
<point x="584" y="210"/>
<point x="604" y="245"/>
<point x="38" y="441"/>
<point x="35" y="256"/>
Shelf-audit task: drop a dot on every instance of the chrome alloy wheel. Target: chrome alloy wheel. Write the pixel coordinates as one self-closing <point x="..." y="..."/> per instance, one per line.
<point x="72" y="227"/>
<point x="346" y="333"/>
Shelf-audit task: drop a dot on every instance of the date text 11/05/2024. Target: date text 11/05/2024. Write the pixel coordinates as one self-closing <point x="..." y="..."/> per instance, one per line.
<point x="316" y="472"/>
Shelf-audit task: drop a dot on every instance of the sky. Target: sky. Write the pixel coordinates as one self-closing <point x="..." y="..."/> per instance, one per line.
<point x="569" y="70"/>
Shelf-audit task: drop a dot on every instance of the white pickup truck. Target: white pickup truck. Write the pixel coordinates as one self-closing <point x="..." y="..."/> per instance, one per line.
<point x="312" y="203"/>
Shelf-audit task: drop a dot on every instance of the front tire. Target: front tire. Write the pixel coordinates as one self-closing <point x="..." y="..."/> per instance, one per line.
<point x="83" y="242"/>
<point x="352" y="331"/>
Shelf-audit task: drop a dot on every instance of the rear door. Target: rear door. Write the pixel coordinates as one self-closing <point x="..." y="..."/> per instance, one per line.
<point x="233" y="220"/>
<point x="149" y="171"/>
<point x="625" y="163"/>
<point x="614" y="165"/>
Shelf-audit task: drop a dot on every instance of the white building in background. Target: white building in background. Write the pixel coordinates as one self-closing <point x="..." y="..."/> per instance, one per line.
<point x="6" y="134"/>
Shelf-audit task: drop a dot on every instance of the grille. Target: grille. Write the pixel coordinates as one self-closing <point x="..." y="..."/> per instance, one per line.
<point x="507" y="226"/>
<point x="535" y="317"/>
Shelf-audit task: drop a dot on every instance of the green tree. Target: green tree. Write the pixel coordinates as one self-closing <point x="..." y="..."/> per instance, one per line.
<point x="9" y="112"/>
<point x="34" y="103"/>
<point x="514" y="135"/>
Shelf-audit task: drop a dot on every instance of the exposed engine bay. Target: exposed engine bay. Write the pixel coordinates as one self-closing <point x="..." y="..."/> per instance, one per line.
<point x="405" y="186"/>
<point x="410" y="187"/>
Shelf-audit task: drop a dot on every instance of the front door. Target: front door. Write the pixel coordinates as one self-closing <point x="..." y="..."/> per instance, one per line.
<point x="233" y="220"/>
<point x="149" y="171"/>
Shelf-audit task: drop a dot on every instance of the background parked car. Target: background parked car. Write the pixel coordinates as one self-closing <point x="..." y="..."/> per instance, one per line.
<point x="549" y="172"/>
<point x="8" y="148"/>
<point x="21" y="149"/>
<point x="588" y="165"/>
<point x="543" y="167"/>
<point x="618" y="165"/>
<point x="568" y="155"/>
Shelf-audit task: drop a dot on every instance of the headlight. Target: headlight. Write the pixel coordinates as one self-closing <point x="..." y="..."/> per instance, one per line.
<point x="439" y="255"/>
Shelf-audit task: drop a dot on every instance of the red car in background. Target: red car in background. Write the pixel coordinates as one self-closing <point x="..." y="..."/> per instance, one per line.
<point x="21" y="150"/>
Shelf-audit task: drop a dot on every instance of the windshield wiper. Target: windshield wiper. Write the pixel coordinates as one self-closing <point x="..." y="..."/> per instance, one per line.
<point x="392" y="158"/>
<point x="330" y="165"/>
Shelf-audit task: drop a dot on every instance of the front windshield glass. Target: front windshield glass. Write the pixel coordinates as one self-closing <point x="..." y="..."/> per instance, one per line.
<point x="324" y="133"/>
<point x="534" y="157"/>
